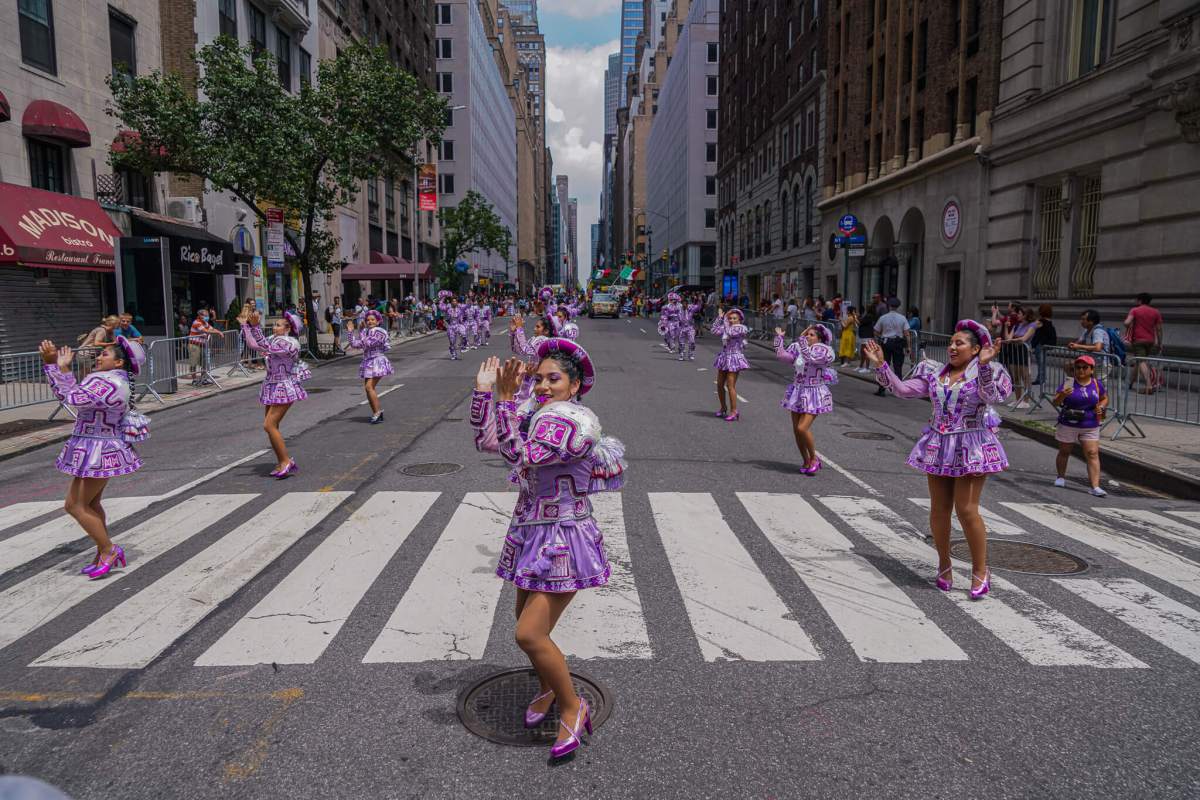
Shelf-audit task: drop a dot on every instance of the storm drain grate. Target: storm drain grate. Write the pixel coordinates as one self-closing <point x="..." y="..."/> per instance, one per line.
<point x="431" y="470"/>
<point x="871" y="435"/>
<point x="494" y="708"/>
<point x="1032" y="559"/>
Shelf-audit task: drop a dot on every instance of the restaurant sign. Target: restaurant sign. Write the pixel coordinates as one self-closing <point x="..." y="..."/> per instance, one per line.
<point x="51" y="230"/>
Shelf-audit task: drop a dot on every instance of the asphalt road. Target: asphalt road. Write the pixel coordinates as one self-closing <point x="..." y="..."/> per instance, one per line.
<point x="783" y="646"/>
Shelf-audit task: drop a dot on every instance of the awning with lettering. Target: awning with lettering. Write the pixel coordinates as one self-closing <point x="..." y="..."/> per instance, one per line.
<point x="191" y="249"/>
<point x="386" y="271"/>
<point x="54" y="231"/>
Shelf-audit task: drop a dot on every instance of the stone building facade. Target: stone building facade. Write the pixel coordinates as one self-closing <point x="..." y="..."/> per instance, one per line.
<point x="911" y="90"/>
<point x="1095" y="161"/>
<point x="772" y="80"/>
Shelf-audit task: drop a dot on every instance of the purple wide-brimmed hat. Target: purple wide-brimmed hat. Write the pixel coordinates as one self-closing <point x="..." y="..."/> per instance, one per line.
<point x="445" y="293"/>
<point x="823" y="333"/>
<point x="546" y="294"/>
<point x="135" y="354"/>
<point x="673" y="297"/>
<point x="981" y="332"/>
<point x="374" y="313"/>
<point x="577" y="354"/>
<point x="293" y="321"/>
<point x="737" y="311"/>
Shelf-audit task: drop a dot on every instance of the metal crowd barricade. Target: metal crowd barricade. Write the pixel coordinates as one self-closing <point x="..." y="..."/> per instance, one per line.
<point x="1168" y="389"/>
<point x="226" y="351"/>
<point x="933" y="346"/>
<point x="22" y="382"/>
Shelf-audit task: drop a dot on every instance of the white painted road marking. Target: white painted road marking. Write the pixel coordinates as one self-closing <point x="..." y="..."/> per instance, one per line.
<point x="39" y="599"/>
<point x="1137" y="553"/>
<point x="134" y="633"/>
<point x="1038" y="633"/>
<point x="384" y="393"/>
<point x="1170" y="623"/>
<point x="877" y="618"/>
<point x="35" y="542"/>
<point x="447" y="612"/>
<point x="734" y="611"/>
<point x="850" y="476"/>
<point x="208" y="476"/>
<point x="301" y="616"/>
<point x="607" y="622"/>
<point x="23" y="512"/>
<point x="1156" y="524"/>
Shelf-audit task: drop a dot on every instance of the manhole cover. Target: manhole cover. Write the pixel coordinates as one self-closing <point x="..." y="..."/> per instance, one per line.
<point x="494" y="708"/>
<point x="878" y="437"/>
<point x="1034" y="559"/>
<point x="430" y="470"/>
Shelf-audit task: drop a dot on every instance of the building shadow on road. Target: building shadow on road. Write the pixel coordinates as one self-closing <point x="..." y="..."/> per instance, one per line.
<point x="785" y="467"/>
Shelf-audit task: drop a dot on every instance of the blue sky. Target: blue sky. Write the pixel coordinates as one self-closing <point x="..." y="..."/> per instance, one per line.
<point x="580" y="34"/>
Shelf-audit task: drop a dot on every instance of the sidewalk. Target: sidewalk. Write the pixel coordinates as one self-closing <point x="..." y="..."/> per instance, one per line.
<point x="1167" y="459"/>
<point x="29" y="427"/>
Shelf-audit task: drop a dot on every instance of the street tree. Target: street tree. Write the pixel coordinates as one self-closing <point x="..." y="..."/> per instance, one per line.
<point x="305" y="151"/>
<point x="469" y="227"/>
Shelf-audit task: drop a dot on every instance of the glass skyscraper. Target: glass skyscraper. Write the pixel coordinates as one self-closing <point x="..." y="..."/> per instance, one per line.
<point x="631" y="26"/>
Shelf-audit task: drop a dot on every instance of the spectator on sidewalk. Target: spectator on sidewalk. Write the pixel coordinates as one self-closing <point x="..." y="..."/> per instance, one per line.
<point x="892" y="331"/>
<point x="1045" y="337"/>
<point x="1082" y="402"/>
<point x="126" y="328"/>
<point x="1016" y="347"/>
<point x="335" y="324"/>
<point x="914" y="333"/>
<point x="1094" y="340"/>
<point x="95" y="340"/>
<point x="1144" y="330"/>
<point x="197" y="340"/>
<point x="866" y="330"/>
<point x="848" y="342"/>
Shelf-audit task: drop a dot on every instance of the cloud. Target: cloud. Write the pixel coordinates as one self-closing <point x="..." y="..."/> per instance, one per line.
<point x="575" y="125"/>
<point x="580" y="9"/>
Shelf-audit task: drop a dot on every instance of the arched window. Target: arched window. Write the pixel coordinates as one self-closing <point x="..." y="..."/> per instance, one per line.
<point x="795" y="216"/>
<point x="809" y="201"/>
<point x="783" y="220"/>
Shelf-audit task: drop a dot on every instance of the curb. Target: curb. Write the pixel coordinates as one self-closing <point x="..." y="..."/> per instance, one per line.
<point x="1114" y="464"/>
<point x="59" y="437"/>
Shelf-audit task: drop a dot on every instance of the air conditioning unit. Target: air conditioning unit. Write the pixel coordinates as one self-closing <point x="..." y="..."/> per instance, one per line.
<point x="185" y="208"/>
<point x="241" y="270"/>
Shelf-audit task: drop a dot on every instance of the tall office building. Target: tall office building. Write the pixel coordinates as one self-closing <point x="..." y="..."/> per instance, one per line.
<point x="612" y="95"/>
<point x="525" y="10"/>
<point x="631" y="26"/>
<point x="573" y="233"/>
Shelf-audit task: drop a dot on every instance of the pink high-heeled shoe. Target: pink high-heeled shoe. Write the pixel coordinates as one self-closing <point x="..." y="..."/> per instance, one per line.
<point x="288" y="470"/>
<point x="571" y="743"/>
<point x="942" y="583"/>
<point x="106" y="564"/>
<point x="734" y="417"/>
<point x="722" y="413"/>
<point x="985" y="585"/>
<point x="534" y="718"/>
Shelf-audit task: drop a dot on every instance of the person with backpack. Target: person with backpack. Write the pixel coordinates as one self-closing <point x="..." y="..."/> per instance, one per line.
<point x="1105" y="343"/>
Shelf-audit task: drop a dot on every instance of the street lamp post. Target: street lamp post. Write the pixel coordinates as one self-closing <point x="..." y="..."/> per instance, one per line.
<point x="650" y="245"/>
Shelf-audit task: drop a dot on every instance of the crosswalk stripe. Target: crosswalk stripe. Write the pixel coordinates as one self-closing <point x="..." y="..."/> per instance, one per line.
<point x="1038" y="633"/>
<point x="1157" y="524"/>
<point x="1166" y="621"/>
<point x="298" y="619"/>
<point x="38" y="541"/>
<point x="877" y="618"/>
<point x="134" y="633"/>
<point x="1137" y="553"/>
<point x="996" y="525"/>
<point x="1191" y="516"/>
<point x="34" y="602"/>
<point x="23" y="512"/>
<point x="607" y="622"/>
<point x="735" y="613"/>
<point x="447" y="612"/>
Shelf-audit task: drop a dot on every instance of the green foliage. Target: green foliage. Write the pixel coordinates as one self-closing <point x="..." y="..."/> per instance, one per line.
<point x="305" y="151"/>
<point x="469" y="227"/>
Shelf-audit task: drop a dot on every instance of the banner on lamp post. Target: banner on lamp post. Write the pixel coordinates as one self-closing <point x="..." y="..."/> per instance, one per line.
<point x="427" y="187"/>
<point x="275" y="238"/>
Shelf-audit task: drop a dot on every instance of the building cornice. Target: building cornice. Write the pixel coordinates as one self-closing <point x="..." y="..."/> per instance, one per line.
<point x="938" y="162"/>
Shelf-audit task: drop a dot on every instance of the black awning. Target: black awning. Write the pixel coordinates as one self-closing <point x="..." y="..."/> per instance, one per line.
<point x="191" y="249"/>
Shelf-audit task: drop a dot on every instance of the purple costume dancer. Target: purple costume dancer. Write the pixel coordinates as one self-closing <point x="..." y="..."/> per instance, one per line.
<point x="732" y="357"/>
<point x="452" y="314"/>
<point x="281" y="386"/>
<point x="559" y="457"/>
<point x="669" y="319"/>
<point x="471" y="325"/>
<point x="809" y="391"/>
<point x="374" y="343"/>
<point x="687" y="332"/>
<point x="100" y="446"/>
<point x="485" y="325"/>
<point x="960" y="438"/>
<point x="527" y="351"/>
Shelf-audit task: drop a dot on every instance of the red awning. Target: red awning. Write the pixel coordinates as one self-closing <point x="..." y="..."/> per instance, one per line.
<point x="126" y="139"/>
<point x="54" y="231"/>
<point x="383" y="258"/>
<point x="386" y="271"/>
<point x="51" y="120"/>
<point x="5" y="111"/>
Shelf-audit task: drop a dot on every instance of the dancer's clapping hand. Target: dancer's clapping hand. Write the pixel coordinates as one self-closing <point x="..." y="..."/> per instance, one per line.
<point x="779" y="332"/>
<point x="986" y="354"/>
<point x="873" y="353"/>
<point x="485" y="379"/>
<point x="49" y="352"/>
<point x="509" y="378"/>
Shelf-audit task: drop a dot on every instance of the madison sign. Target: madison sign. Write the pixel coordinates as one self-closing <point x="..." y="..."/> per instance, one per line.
<point x="51" y="230"/>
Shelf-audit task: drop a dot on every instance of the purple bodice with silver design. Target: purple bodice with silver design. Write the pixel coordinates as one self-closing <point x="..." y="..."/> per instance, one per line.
<point x="672" y="313"/>
<point x="95" y="448"/>
<point x="732" y="357"/>
<point x="281" y="385"/>
<point x="374" y="344"/>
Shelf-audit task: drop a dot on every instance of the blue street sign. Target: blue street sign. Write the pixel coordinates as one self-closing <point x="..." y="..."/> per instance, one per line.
<point x="847" y="224"/>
